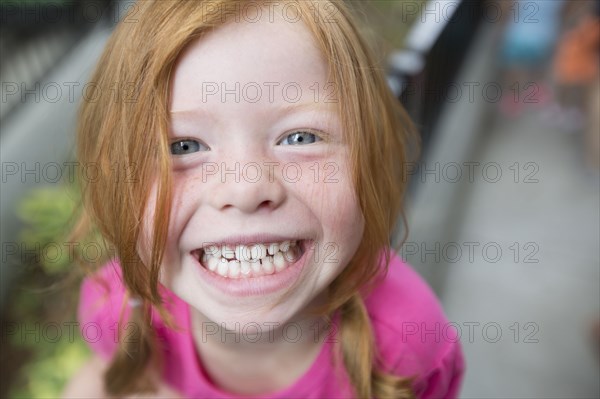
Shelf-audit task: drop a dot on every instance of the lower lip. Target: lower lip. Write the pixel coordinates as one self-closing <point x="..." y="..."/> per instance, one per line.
<point x="255" y="286"/>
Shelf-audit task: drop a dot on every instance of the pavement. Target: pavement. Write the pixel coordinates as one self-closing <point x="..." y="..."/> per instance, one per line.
<point x="511" y="245"/>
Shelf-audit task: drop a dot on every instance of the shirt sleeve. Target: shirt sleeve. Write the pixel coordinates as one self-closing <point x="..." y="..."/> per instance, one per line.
<point x="101" y="313"/>
<point x="413" y="335"/>
<point x="445" y="380"/>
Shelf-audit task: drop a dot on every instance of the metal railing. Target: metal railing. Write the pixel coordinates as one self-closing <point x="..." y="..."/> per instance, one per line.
<point x="34" y="38"/>
<point x="432" y="55"/>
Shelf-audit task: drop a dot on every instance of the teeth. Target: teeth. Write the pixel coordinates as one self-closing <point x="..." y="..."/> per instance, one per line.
<point x="267" y="265"/>
<point x="242" y="252"/>
<point x="234" y="268"/>
<point x="255" y="266"/>
<point x="213" y="250"/>
<point x="228" y="252"/>
<point x="258" y="251"/>
<point x="223" y="267"/>
<point x="273" y="248"/>
<point x="241" y="261"/>
<point x="279" y="262"/>
<point x="290" y="254"/>
<point x="213" y="263"/>
<point x="245" y="268"/>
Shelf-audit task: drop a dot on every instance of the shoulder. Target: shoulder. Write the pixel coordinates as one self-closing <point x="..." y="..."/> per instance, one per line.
<point x="103" y="282"/>
<point x="104" y="311"/>
<point x="103" y="290"/>
<point x="401" y="297"/>
<point x="413" y="335"/>
<point x="101" y="308"/>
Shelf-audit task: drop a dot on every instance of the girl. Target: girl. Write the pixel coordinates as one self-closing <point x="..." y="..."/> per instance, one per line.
<point x="260" y="178"/>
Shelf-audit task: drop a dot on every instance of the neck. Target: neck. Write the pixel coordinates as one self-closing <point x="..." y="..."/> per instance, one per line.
<point x="258" y="361"/>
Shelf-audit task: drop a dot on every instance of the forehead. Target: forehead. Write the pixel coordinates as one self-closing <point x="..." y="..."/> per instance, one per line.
<point x="267" y="55"/>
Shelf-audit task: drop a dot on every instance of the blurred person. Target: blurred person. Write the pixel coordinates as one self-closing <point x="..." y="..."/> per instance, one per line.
<point x="528" y="42"/>
<point x="577" y="74"/>
<point x="197" y="251"/>
<point x="592" y="131"/>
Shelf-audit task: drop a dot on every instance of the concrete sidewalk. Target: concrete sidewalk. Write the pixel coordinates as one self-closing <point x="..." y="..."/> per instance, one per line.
<point x="542" y="292"/>
<point x="505" y="225"/>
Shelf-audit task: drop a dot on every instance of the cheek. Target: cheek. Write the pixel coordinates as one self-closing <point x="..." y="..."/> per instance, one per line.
<point x="333" y="200"/>
<point x="171" y="257"/>
<point x="345" y="225"/>
<point x="341" y="220"/>
<point x="347" y="220"/>
<point x="188" y="192"/>
<point x="149" y="219"/>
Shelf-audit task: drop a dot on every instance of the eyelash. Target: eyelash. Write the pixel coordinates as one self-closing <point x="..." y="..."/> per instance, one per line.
<point x="179" y="144"/>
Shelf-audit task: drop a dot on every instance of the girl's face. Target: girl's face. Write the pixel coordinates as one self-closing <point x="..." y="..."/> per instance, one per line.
<point x="263" y="197"/>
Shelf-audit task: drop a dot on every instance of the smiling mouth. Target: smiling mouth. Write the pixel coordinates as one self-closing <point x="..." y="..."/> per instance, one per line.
<point x="248" y="261"/>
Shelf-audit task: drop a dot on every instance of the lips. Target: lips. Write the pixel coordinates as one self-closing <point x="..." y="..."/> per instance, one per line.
<point x="257" y="282"/>
<point x="241" y="261"/>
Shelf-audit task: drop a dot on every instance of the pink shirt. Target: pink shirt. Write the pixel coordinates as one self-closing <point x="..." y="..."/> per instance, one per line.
<point x="411" y="332"/>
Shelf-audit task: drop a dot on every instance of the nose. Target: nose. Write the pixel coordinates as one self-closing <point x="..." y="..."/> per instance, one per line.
<point x="248" y="188"/>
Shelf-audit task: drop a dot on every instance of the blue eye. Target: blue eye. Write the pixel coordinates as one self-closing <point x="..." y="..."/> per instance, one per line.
<point x="183" y="147"/>
<point x="299" y="138"/>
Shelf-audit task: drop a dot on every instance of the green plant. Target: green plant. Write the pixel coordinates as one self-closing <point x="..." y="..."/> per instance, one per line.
<point x="45" y="297"/>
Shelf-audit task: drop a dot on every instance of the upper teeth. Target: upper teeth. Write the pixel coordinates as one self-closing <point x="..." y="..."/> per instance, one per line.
<point x="248" y="252"/>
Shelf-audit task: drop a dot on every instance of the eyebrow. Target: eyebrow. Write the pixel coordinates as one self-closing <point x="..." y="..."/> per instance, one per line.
<point x="312" y="106"/>
<point x="285" y="109"/>
<point x="190" y="112"/>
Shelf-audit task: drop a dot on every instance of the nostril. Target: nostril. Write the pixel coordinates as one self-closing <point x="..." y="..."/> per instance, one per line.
<point x="265" y="204"/>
